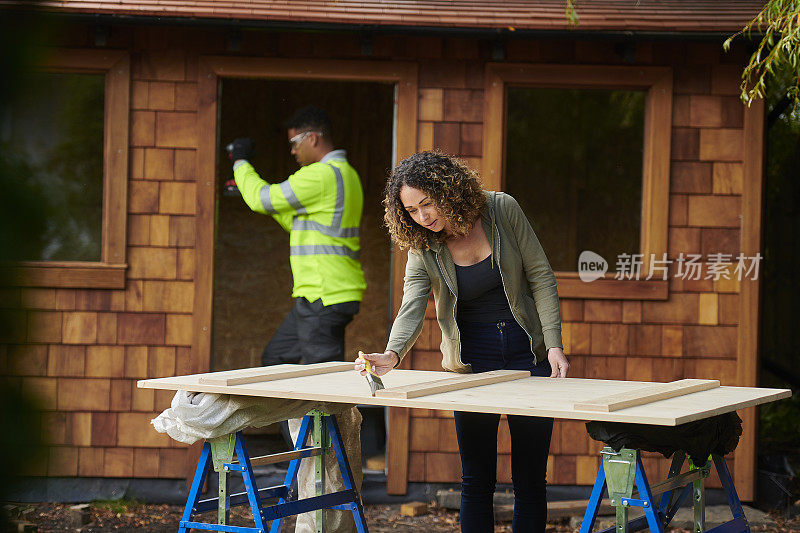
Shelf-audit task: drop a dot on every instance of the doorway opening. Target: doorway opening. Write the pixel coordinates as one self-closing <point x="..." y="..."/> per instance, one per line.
<point x="252" y="278"/>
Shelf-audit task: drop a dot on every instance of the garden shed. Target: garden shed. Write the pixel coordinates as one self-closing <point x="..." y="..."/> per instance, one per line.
<point x="622" y="135"/>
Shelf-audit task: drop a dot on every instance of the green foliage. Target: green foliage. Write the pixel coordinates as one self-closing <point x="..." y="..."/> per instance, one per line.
<point x="778" y="422"/>
<point x="570" y="11"/>
<point x="779" y="47"/>
<point x="121" y="506"/>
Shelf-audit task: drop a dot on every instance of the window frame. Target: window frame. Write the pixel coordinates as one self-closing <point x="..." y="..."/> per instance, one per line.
<point x="109" y="272"/>
<point x="657" y="82"/>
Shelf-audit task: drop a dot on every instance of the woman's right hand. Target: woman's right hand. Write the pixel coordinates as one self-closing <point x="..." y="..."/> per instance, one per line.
<point x="381" y="362"/>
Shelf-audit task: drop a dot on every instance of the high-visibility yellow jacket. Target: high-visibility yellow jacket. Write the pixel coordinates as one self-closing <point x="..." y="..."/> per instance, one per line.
<point x="320" y="206"/>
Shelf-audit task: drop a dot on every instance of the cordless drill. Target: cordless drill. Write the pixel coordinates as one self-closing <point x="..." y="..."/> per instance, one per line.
<point x="240" y="148"/>
<point x="229" y="188"/>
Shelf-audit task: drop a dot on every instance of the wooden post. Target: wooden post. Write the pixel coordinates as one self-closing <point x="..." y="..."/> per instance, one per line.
<point x="747" y="362"/>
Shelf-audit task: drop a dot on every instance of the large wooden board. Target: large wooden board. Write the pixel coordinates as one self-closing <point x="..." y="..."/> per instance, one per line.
<point x="532" y="396"/>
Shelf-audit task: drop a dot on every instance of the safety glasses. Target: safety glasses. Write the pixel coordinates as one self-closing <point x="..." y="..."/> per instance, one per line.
<point x="295" y="141"/>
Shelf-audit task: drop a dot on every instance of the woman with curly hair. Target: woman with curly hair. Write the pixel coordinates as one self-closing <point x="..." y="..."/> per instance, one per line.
<point x="497" y="307"/>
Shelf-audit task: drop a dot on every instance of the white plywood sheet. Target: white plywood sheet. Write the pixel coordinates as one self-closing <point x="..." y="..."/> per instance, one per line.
<point x="533" y="396"/>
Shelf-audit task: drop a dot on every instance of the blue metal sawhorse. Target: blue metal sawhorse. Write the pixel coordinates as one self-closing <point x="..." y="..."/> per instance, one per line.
<point x="622" y="470"/>
<point x="220" y="452"/>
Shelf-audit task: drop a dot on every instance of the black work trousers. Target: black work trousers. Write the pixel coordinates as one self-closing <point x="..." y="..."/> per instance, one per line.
<point x="310" y="333"/>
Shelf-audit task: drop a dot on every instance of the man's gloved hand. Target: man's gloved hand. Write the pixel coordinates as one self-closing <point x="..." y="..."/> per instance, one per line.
<point x="242" y="148"/>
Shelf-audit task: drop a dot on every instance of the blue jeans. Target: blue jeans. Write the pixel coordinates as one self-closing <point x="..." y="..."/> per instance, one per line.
<point x="495" y="346"/>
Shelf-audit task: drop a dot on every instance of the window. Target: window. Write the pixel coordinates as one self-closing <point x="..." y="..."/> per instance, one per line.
<point x="574" y="163"/>
<point x="55" y="132"/>
<point x="69" y="136"/>
<point x="586" y="151"/>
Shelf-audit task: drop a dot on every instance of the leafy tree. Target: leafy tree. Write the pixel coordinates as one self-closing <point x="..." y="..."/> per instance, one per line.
<point x="778" y="50"/>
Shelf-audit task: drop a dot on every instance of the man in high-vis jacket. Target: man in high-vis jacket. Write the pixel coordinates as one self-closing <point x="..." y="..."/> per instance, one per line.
<point x="320" y="206"/>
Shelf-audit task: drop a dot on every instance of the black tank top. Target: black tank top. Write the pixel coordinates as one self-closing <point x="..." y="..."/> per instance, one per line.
<point x="481" y="297"/>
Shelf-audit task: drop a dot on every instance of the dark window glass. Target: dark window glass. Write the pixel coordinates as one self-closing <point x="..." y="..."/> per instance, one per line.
<point x="574" y="163"/>
<point x="54" y="133"/>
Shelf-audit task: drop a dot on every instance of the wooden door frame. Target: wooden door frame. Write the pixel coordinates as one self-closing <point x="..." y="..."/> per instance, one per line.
<point x="750" y="243"/>
<point x="210" y="69"/>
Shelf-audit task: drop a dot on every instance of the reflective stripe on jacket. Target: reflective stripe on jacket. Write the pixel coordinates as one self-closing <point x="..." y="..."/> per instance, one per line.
<point x="320" y="206"/>
<point x="528" y="281"/>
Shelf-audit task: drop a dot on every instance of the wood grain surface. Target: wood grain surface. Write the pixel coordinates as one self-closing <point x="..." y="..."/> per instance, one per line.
<point x="531" y="396"/>
<point x="458" y="382"/>
<point x="270" y="373"/>
<point x="649" y="394"/>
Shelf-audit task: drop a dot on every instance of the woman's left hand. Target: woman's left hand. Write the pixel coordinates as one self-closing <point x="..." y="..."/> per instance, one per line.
<point x="558" y="362"/>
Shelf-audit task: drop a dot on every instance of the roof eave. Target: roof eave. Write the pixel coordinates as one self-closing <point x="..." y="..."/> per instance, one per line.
<point x="504" y="32"/>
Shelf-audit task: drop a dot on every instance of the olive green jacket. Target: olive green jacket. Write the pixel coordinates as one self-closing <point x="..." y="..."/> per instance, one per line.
<point x="528" y="280"/>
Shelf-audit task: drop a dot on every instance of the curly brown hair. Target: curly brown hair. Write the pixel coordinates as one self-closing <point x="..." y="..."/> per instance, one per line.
<point x="455" y="189"/>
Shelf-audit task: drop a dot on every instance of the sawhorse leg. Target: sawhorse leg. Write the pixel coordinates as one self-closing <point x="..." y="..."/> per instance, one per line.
<point x="325" y="432"/>
<point x="220" y="453"/>
<point x="739" y="522"/>
<point x="622" y="471"/>
<point x="347" y="476"/>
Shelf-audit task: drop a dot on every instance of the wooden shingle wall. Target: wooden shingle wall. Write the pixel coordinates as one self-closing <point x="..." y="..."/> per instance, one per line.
<point x="81" y="351"/>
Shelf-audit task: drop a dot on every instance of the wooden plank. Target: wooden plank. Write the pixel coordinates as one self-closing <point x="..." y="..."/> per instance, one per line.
<point x="115" y="164"/>
<point x="747" y="350"/>
<point x="270" y="373"/>
<point x="494" y="124"/>
<point x="397" y="450"/>
<point x="205" y="194"/>
<point x="608" y="288"/>
<point x="569" y="508"/>
<point x="282" y="457"/>
<point x="653" y="393"/>
<point x="81" y="59"/>
<point x="313" y="69"/>
<point x="406" y="76"/>
<point x="461" y="382"/>
<point x="64" y="275"/>
<point x="580" y="76"/>
<point x="656" y="167"/>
